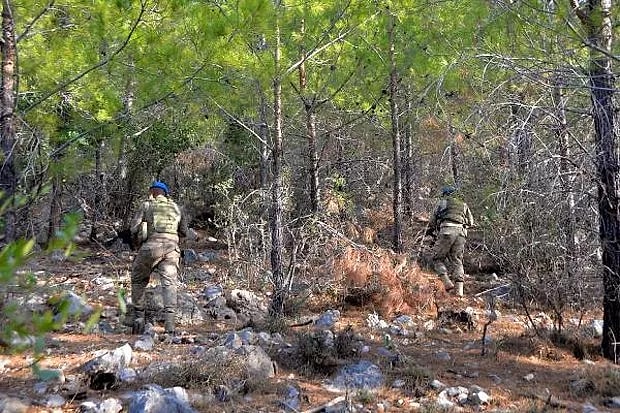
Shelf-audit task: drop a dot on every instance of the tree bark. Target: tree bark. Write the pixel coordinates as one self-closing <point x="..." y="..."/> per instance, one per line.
<point x="408" y="161"/>
<point x="263" y="132"/>
<point x="595" y="15"/>
<point x="397" y="205"/>
<point x="566" y="174"/>
<point x="309" y="108"/>
<point x="8" y="173"/>
<point x="277" y="270"/>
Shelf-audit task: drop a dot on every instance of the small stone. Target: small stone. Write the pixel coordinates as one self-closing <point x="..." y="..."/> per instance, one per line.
<point x="479" y="397"/>
<point x="398" y="384"/>
<point x="233" y="341"/>
<point x="528" y="377"/>
<point x="589" y="408"/>
<point x="144" y="343"/>
<point x="13" y="405"/>
<point x="127" y="374"/>
<point x="54" y="401"/>
<point x="443" y="355"/>
<point x="436" y="384"/>
<point x="429" y="325"/>
<point x="614" y="402"/>
<point x="495" y="378"/>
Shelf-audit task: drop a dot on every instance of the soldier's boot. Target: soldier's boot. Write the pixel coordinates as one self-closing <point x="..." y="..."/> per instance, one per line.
<point x="459" y="288"/>
<point x="169" y="322"/>
<point x="446" y="282"/>
<point x="139" y="322"/>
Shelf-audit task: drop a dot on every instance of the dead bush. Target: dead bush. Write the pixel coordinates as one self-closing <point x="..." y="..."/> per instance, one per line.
<point x="320" y="351"/>
<point x="384" y="280"/>
<point x="197" y="373"/>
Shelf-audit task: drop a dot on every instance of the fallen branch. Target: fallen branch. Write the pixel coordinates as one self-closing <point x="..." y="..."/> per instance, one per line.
<point x="328" y="404"/>
<point x="491" y="289"/>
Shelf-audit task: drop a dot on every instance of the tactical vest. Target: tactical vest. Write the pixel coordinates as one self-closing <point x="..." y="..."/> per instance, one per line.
<point x="452" y="211"/>
<point x="163" y="216"/>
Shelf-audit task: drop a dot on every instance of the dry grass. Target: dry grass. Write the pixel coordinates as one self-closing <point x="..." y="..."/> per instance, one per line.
<point x="383" y="280"/>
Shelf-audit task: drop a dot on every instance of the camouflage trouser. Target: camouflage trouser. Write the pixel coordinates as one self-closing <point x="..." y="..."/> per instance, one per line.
<point x="162" y="256"/>
<point x="448" y="249"/>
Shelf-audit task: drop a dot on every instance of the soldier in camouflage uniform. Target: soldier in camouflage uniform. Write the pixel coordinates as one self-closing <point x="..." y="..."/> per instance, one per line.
<point x="159" y="222"/>
<point x="452" y="217"/>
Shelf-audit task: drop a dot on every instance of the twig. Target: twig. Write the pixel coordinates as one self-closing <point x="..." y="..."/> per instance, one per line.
<point x="491" y="289"/>
<point x="328" y="404"/>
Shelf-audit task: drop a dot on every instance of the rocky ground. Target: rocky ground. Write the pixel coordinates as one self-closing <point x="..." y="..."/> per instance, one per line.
<point x="465" y="354"/>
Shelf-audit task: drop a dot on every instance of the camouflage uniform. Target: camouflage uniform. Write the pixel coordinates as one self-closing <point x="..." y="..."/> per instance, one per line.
<point x="452" y="217"/>
<point x="160" y="252"/>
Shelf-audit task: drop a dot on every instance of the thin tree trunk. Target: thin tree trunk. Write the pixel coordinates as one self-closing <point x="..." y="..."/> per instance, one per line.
<point x="99" y="192"/>
<point x="277" y="270"/>
<point x="55" y="207"/>
<point x="565" y="171"/>
<point x="595" y="16"/>
<point x="309" y="108"/>
<point x="124" y="201"/>
<point x="8" y="173"/>
<point x="408" y="161"/>
<point x="398" y="190"/>
<point x="263" y="132"/>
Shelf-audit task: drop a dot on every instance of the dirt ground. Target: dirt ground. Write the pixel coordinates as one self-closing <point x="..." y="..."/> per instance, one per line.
<point x="512" y="354"/>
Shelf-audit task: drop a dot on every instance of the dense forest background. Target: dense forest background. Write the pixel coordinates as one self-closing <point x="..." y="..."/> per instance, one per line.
<point x="283" y="124"/>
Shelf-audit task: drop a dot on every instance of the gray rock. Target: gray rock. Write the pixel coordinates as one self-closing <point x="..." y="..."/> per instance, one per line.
<point x="212" y="292"/>
<point x="436" y="384"/>
<point x="111" y="405"/>
<point x="613" y="402"/>
<point x="443" y="355"/>
<point x="404" y="320"/>
<point x="103" y="371"/>
<point x="233" y="341"/>
<point x="362" y="375"/>
<point x="208" y="256"/>
<point x="77" y="305"/>
<point x="399" y="384"/>
<point x="127" y="375"/>
<point x="478" y="397"/>
<point x="291" y="398"/>
<point x="495" y="378"/>
<point x="54" y="401"/>
<point x="256" y="362"/>
<point x="589" y="408"/>
<point x="189" y="256"/>
<point x="597" y="328"/>
<point x="154" y="399"/>
<point x="375" y="322"/>
<point x="13" y="405"/>
<point x="328" y="319"/>
<point x="144" y="343"/>
<point x="247" y="336"/>
<point x="249" y="307"/>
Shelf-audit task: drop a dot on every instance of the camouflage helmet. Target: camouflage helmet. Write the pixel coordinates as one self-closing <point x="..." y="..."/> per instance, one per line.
<point x="448" y="190"/>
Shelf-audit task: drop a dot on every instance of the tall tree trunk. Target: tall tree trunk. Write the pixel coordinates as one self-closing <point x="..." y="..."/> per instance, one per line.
<point x="408" y="161"/>
<point x="100" y="191"/>
<point x="55" y="206"/>
<point x="309" y="108"/>
<point x="595" y="16"/>
<point x="397" y="205"/>
<point x="8" y="173"/>
<point x="566" y="174"/>
<point x="277" y="270"/>
<point x="125" y="187"/>
<point x="263" y="132"/>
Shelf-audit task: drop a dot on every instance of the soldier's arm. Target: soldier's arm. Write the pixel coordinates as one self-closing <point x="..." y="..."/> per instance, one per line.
<point x="470" y="218"/>
<point x="137" y="219"/>
<point x="183" y="229"/>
